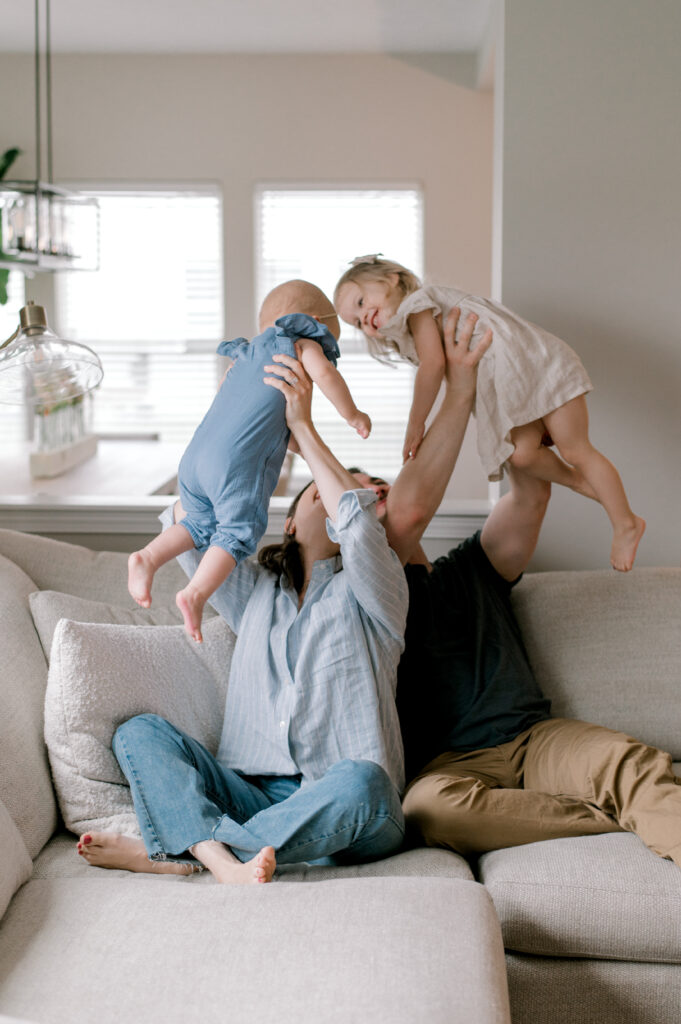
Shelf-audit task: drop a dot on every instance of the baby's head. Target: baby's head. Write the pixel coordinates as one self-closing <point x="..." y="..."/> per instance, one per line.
<point x="298" y="297"/>
<point x="369" y="294"/>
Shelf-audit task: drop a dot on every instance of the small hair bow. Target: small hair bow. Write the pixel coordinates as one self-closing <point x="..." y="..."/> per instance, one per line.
<point x="371" y="258"/>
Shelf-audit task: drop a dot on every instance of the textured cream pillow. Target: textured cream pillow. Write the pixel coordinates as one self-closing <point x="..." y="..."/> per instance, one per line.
<point x="100" y="676"/>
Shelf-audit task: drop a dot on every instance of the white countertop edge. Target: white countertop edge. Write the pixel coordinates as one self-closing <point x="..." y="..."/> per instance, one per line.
<point x="36" y="514"/>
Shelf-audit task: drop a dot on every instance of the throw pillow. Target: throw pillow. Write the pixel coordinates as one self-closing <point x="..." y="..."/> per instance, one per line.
<point x="101" y="675"/>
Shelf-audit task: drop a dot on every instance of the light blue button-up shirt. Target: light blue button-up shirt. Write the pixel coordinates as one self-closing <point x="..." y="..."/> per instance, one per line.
<point x="311" y="687"/>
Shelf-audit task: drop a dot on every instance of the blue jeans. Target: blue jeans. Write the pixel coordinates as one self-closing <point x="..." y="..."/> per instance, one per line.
<point x="183" y="795"/>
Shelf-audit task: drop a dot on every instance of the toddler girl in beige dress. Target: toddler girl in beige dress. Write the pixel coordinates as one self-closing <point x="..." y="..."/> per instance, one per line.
<point x="530" y="392"/>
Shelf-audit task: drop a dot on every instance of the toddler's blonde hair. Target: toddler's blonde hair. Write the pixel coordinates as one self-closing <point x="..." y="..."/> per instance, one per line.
<point x="377" y="268"/>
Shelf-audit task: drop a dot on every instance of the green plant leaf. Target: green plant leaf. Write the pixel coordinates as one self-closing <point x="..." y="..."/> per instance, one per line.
<point x="4" y="278"/>
<point x="7" y="159"/>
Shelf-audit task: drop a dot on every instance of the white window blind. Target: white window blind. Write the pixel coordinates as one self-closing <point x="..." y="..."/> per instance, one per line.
<point x="12" y="417"/>
<point x="153" y="311"/>
<point x="313" y="233"/>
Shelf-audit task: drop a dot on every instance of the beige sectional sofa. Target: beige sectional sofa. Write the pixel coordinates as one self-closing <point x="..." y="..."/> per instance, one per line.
<point x="591" y="927"/>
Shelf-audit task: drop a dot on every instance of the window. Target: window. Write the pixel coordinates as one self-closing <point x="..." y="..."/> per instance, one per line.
<point x="313" y="233"/>
<point x="153" y="311"/>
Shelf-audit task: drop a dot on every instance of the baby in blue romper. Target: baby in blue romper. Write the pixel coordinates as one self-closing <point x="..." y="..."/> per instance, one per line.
<point x="231" y="466"/>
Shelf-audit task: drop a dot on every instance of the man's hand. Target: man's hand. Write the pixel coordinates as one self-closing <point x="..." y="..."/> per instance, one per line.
<point x="296" y="387"/>
<point x="461" y="361"/>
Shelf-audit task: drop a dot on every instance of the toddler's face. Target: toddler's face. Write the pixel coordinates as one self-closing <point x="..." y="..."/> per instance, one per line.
<point x="368" y="304"/>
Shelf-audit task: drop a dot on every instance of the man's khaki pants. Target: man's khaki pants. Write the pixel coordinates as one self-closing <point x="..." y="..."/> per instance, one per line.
<point x="558" y="779"/>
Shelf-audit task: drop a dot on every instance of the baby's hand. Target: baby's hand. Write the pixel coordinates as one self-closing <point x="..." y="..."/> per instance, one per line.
<point x="362" y="424"/>
<point x="412" y="440"/>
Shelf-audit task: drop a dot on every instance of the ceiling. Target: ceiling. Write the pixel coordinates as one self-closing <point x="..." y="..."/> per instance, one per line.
<point x="250" y="26"/>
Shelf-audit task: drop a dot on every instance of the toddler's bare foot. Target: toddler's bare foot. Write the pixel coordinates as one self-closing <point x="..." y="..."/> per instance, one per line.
<point x="111" y="850"/>
<point x="191" y="603"/>
<point x="228" y="870"/>
<point x="624" y="545"/>
<point x="141" y="571"/>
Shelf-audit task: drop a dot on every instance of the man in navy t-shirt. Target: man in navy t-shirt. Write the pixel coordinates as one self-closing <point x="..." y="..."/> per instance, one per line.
<point x="489" y="767"/>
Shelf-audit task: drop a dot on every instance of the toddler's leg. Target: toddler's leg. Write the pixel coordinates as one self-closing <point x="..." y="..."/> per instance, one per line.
<point x="569" y="427"/>
<point x="535" y="459"/>
<point x="213" y="570"/>
<point x="142" y="565"/>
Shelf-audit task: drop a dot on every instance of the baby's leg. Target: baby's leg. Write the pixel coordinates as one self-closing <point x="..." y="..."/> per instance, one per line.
<point x="535" y="459"/>
<point x="213" y="570"/>
<point x="569" y="427"/>
<point x="142" y="565"/>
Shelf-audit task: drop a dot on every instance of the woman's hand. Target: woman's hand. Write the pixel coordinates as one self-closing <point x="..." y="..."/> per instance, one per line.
<point x="296" y="387"/>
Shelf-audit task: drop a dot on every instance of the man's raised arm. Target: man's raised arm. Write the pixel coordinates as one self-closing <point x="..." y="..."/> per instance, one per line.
<point x="419" y="488"/>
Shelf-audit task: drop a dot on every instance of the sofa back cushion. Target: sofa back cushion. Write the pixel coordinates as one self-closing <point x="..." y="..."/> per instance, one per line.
<point x="606" y="648"/>
<point x="100" y="676"/>
<point x="25" y="784"/>
<point x="96" y="575"/>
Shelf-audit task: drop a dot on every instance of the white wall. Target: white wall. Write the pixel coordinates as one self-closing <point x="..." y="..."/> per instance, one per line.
<point x="244" y="119"/>
<point x="591" y="240"/>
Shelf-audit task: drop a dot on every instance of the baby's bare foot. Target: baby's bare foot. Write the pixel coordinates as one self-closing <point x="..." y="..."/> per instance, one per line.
<point x="625" y="543"/>
<point x="191" y="603"/>
<point x="111" y="850"/>
<point x="228" y="870"/>
<point x="141" y="571"/>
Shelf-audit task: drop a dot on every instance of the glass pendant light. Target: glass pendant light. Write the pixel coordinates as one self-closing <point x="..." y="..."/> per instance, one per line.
<point x="41" y="370"/>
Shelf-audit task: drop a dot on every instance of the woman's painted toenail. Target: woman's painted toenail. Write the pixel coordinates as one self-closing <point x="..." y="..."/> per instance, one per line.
<point x="87" y="839"/>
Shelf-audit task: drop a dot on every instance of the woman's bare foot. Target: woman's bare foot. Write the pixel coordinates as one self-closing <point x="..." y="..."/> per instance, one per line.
<point x="191" y="603"/>
<point x="111" y="850"/>
<point x="624" y="545"/>
<point x="141" y="571"/>
<point x="229" y="870"/>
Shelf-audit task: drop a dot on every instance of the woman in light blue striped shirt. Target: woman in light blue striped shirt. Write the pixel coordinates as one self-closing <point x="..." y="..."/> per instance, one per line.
<point x="310" y="762"/>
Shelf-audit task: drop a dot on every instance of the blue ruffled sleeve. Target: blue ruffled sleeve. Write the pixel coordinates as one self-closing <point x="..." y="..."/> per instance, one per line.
<point x="233" y="349"/>
<point x="299" y="325"/>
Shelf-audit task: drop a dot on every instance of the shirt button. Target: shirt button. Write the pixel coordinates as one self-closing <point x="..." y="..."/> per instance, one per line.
<point x="282" y="725"/>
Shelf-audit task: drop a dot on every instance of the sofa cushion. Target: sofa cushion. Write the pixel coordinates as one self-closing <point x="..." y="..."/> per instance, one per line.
<point x="25" y="784"/>
<point x="16" y="863"/>
<point x="549" y="990"/>
<point x="101" y="675"/>
<point x="59" y="859"/>
<point x="96" y="575"/>
<point x="603" y="896"/>
<point x="606" y="648"/>
<point x="49" y="606"/>
<point x="385" y="950"/>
